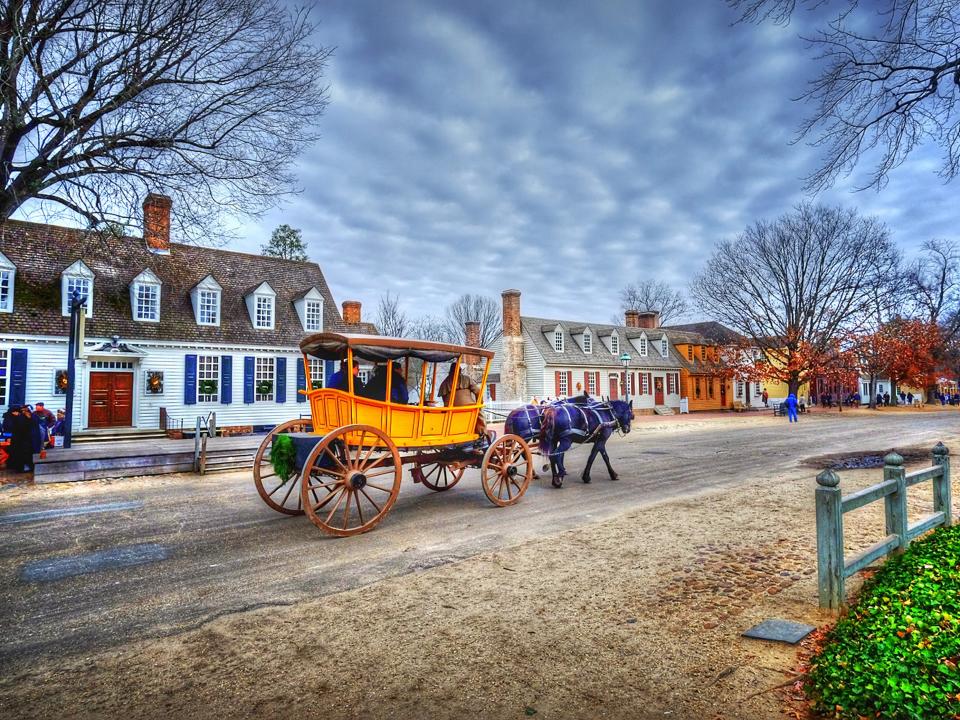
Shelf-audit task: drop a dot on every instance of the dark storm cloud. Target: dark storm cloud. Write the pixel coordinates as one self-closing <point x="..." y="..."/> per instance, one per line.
<point x="565" y="149"/>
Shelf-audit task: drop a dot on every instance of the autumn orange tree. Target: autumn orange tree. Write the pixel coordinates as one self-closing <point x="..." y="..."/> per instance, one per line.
<point x="913" y="359"/>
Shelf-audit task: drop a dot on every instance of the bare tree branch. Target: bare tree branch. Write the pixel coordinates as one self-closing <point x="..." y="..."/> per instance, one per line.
<point x="477" y="308"/>
<point x="391" y="320"/>
<point x="653" y="295"/>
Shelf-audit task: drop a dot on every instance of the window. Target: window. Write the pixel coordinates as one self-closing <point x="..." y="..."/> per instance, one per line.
<point x="592" y="383"/>
<point x="316" y="374"/>
<point x="111" y="365"/>
<point x="739" y="388"/>
<point x="710" y="388"/>
<point x="663" y="347"/>
<point x="558" y="340"/>
<point x="264" y="316"/>
<point x="208" y="378"/>
<point x="263" y="379"/>
<point x="615" y="344"/>
<point x="208" y="312"/>
<point x="3" y="378"/>
<point x="563" y="385"/>
<point x="313" y="312"/>
<point x="756" y="389"/>
<point x="703" y="352"/>
<point x="643" y="347"/>
<point x="147" y="308"/>
<point x="689" y="352"/>
<point x="670" y="387"/>
<point x="6" y="290"/>
<point x="696" y="388"/>
<point x="644" y="384"/>
<point x="587" y="342"/>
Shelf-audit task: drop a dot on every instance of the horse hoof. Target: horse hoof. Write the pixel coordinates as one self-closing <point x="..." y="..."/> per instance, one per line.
<point x="585" y="479"/>
<point x="614" y="477"/>
<point x="557" y="482"/>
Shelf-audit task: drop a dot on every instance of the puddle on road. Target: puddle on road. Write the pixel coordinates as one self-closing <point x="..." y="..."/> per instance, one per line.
<point x="865" y="459"/>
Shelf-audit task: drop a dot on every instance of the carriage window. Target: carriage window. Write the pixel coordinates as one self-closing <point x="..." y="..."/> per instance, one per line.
<point x="563" y="385"/>
<point x="264" y="379"/>
<point x="587" y="343"/>
<point x="208" y="378"/>
<point x="558" y="340"/>
<point x="643" y="347"/>
<point x="316" y="373"/>
<point x="615" y="344"/>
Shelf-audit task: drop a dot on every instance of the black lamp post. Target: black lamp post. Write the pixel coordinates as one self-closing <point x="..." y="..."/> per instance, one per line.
<point x="78" y="304"/>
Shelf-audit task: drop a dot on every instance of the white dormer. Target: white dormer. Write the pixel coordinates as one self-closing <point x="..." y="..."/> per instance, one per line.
<point x="261" y="305"/>
<point x="205" y="297"/>
<point x="80" y="278"/>
<point x="642" y="344"/>
<point x="664" y="346"/>
<point x="614" y="343"/>
<point x="145" y="297"/>
<point x="8" y="273"/>
<point x="310" y="310"/>
<point x="558" y="339"/>
<point x="587" y="342"/>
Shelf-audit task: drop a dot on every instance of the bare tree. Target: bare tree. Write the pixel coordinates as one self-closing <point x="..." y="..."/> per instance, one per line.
<point x="806" y="285"/>
<point x="934" y="282"/>
<point x="653" y="295"/>
<point x="101" y="101"/>
<point x="430" y="327"/>
<point x="478" y="308"/>
<point x="889" y="81"/>
<point x="391" y="320"/>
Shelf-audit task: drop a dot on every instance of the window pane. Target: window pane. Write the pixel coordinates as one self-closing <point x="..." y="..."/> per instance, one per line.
<point x="5" y="286"/>
<point x="264" y="314"/>
<point x="316" y="373"/>
<point x="209" y="313"/>
<point x="148" y="302"/>
<point x="208" y="378"/>
<point x="263" y="380"/>
<point x="314" y="315"/>
<point x="3" y="378"/>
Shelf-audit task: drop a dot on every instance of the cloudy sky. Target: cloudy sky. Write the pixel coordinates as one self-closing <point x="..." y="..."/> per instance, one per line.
<point x="562" y="148"/>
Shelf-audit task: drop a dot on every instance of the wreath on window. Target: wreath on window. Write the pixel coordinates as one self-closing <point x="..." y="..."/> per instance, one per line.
<point x="208" y="387"/>
<point x="62" y="382"/>
<point x="155" y="382"/>
<point x="264" y="387"/>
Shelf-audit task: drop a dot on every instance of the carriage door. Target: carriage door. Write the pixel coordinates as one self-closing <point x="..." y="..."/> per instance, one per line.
<point x="658" y="391"/>
<point x="614" y="387"/>
<point x="111" y="399"/>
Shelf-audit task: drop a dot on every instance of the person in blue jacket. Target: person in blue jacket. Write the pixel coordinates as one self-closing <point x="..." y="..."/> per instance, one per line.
<point x="791" y="403"/>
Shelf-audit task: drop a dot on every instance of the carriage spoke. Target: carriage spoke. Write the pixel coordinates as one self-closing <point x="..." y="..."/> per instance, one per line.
<point x="366" y="458"/>
<point x="335" y="458"/>
<point x="379" y="487"/>
<point x="356" y="459"/>
<point x="384" y="471"/>
<point x="270" y="494"/>
<point x="346" y="510"/>
<point x="335" y="506"/>
<point x="356" y="498"/>
<point x="327" y="499"/>
<point x="370" y="499"/>
<point x="289" y="490"/>
<point x="375" y="463"/>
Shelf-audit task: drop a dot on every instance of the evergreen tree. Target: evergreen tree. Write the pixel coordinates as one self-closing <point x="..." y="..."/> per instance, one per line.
<point x="285" y="242"/>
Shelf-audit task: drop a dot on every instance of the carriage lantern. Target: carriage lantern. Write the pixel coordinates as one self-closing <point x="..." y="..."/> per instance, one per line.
<point x="625" y="361"/>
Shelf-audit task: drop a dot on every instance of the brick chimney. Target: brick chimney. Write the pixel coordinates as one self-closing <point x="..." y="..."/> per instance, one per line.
<point x="156" y="223"/>
<point x="649" y="319"/>
<point x="632" y="318"/>
<point x="351" y="312"/>
<point x="471" y="330"/>
<point x="513" y="368"/>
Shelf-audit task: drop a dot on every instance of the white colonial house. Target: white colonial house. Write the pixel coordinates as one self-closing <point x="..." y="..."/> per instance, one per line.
<point x="172" y="331"/>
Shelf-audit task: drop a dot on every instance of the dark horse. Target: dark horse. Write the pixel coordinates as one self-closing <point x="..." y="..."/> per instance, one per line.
<point x="574" y="422"/>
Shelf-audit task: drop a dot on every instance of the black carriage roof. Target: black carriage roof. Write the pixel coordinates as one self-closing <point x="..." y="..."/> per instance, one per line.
<point x="378" y="348"/>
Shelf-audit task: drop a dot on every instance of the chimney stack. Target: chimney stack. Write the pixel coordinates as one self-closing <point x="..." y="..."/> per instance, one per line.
<point x="513" y="367"/>
<point x="156" y="223"/>
<point x="649" y="319"/>
<point x="351" y="312"/>
<point x="471" y="330"/>
<point x="632" y="318"/>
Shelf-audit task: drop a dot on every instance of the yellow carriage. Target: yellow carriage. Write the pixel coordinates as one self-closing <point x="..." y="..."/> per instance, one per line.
<point x="350" y="453"/>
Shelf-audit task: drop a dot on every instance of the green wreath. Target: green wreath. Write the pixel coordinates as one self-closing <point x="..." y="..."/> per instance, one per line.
<point x="264" y="387"/>
<point x="207" y="387"/>
<point x="283" y="457"/>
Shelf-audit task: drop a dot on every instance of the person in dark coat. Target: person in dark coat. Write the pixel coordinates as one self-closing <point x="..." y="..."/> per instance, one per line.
<point x="21" y="447"/>
<point x="339" y="379"/>
<point x="37" y="433"/>
<point x="377" y="387"/>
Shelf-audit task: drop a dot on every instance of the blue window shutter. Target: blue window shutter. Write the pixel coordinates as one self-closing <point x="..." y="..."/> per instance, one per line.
<point x="281" y="383"/>
<point x="301" y="381"/>
<point x="248" y="380"/>
<point x="226" y="379"/>
<point x="189" y="379"/>
<point x="18" y="377"/>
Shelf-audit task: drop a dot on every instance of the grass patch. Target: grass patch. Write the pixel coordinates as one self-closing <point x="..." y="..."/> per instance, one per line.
<point x="896" y="654"/>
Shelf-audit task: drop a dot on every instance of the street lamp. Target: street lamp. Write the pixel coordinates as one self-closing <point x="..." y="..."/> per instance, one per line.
<point x="625" y="361"/>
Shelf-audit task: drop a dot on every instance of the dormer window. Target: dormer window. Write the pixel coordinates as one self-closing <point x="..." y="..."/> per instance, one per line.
<point x="309" y="309"/>
<point x="8" y="272"/>
<point x="643" y="346"/>
<point x="145" y="297"/>
<point x="703" y="352"/>
<point x="558" y="340"/>
<point x="664" y="347"/>
<point x="587" y="342"/>
<point x="615" y="344"/>
<point x="206" y="301"/>
<point x="80" y="278"/>
<point x="261" y="304"/>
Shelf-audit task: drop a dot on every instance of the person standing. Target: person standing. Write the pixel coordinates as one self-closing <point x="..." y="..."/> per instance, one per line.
<point x="20" y="455"/>
<point x="765" y="397"/>
<point x="791" y="403"/>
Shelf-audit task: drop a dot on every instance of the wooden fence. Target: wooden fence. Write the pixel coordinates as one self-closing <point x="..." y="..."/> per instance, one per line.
<point x="832" y="568"/>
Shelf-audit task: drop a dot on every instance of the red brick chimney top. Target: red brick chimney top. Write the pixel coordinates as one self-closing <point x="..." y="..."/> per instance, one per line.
<point x="511" y="313"/>
<point x="632" y="318"/>
<point x="649" y="319"/>
<point x="351" y="312"/>
<point x="156" y="223"/>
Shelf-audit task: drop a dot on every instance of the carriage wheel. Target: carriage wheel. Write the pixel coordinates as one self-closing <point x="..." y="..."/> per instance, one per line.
<point x="282" y="495"/>
<point x="348" y="487"/>
<point x="437" y="476"/>
<point x="506" y="470"/>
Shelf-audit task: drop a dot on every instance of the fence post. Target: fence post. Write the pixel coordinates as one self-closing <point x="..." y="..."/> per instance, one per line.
<point x="196" y="446"/>
<point x="830" y="577"/>
<point x="895" y="504"/>
<point x="942" y="495"/>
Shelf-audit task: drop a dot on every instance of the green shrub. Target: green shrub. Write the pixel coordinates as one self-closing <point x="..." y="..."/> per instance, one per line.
<point x="896" y="654"/>
<point x="283" y="457"/>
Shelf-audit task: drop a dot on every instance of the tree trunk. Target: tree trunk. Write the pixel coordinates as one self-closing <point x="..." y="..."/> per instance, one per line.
<point x="873" y="392"/>
<point x="793" y="386"/>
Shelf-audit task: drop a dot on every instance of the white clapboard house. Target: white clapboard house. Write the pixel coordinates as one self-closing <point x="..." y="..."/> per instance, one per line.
<point x="173" y="331"/>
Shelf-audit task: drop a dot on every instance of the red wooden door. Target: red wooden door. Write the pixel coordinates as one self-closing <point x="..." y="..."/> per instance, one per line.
<point x="614" y="387"/>
<point x="111" y="399"/>
<point x="658" y="391"/>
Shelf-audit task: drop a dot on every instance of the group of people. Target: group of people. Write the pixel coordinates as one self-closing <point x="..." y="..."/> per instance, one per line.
<point x="466" y="392"/>
<point x="949" y="398"/>
<point x="29" y="429"/>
